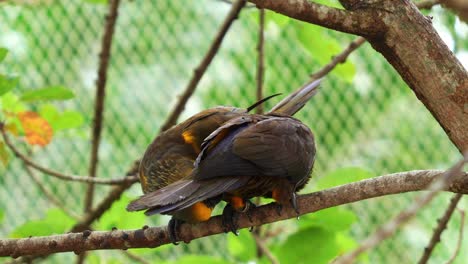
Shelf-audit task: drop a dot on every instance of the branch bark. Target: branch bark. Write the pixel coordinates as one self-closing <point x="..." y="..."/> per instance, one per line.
<point x="367" y="22"/>
<point x="441" y="226"/>
<point x="389" y="228"/>
<point x="100" y="96"/>
<point x="408" y="41"/>
<point x="157" y="236"/>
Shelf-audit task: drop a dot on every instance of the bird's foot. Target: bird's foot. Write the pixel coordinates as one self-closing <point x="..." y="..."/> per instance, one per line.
<point x="230" y="216"/>
<point x="294" y="203"/>
<point x="279" y="208"/>
<point x="173" y="229"/>
<point x="229" y="219"/>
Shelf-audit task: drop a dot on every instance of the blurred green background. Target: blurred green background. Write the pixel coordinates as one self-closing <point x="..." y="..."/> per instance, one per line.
<point x="366" y="120"/>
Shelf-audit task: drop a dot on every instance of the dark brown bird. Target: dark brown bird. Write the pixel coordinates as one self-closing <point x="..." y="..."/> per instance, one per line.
<point x="248" y="156"/>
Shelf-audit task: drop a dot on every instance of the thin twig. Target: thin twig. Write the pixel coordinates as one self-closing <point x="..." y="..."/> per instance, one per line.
<point x="201" y="69"/>
<point x="441" y="226"/>
<point x="427" y="4"/>
<point x="135" y="257"/>
<point x="264" y="249"/>
<point x="100" y="96"/>
<point x="62" y="176"/>
<point x="50" y="196"/>
<point x="157" y="236"/>
<point x="101" y="208"/>
<point x="260" y="57"/>
<point x="340" y="58"/>
<point x="355" y="44"/>
<point x="386" y="230"/>
<point x="460" y="237"/>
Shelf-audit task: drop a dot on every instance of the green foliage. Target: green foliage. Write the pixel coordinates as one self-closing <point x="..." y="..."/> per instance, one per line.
<point x="68" y="119"/>
<point x="96" y="1"/>
<point x="242" y="247"/>
<point x="310" y="245"/>
<point x="334" y="219"/>
<point x="10" y="103"/>
<point x="321" y="237"/>
<point x="55" y="222"/>
<point x="343" y="176"/>
<point x="48" y="93"/>
<point x="3" y="53"/>
<point x="7" y="83"/>
<point x="192" y="259"/>
<point x="118" y="217"/>
<point x="322" y="47"/>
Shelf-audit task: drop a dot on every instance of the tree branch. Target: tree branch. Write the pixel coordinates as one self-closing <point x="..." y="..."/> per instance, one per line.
<point x="460" y="237"/>
<point x="62" y="176"/>
<point x="200" y="69"/>
<point x="340" y="58"/>
<point x="50" y="196"/>
<point x="260" y="58"/>
<point x="264" y="249"/>
<point x="441" y="226"/>
<point x="366" y="22"/>
<point x="100" y="95"/>
<point x="440" y="183"/>
<point x="439" y="81"/>
<point x="157" y="236"/>
<point x="101" y="208"/>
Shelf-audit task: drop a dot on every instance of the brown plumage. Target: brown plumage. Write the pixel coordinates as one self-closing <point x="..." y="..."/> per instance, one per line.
<point x="249" y="156"/>
<point x="237" y="155"/>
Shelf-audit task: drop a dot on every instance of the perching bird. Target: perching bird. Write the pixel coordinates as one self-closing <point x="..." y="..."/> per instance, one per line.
<point x="248" y="156"/>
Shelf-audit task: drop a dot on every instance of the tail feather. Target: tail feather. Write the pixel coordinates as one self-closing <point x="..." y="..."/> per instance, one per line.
<point x="170" y="194"/>
<point x="295" y="101"/>
<point x="183" y="194"/>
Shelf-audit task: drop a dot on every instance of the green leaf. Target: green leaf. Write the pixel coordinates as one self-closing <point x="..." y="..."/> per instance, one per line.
<point x="311" y="245"/>
<point x="49" y="93"/>
<point x="342" y="176"/>
<point x="55" y="222"/>
<point x="278" y="19"/>
<point x="3" y="53"/>
<point x="118" y="217"/>
<point x="322" y="48"/>
<point x="334" y="219"/>
<point x="242" y="247"/>
<point x="191" y="259"/>
<point x="96" y="1"/>
<point x="331" y="3"/>
<point x="7" y="83"/>
<point x="59" y="121"/>
<point x="1" y="215"/>
<point x="11" y="103"/>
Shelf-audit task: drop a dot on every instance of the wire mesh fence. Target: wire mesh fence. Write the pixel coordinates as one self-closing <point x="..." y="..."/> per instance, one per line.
<point x="364" y="116"/>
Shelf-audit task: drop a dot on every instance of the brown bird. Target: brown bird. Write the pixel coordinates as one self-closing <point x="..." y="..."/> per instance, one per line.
<point x="248" y="156"/>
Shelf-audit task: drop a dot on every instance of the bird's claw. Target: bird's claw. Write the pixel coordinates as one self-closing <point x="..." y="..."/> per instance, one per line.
<point x="248" y="209"/>
<point x="279" y="208"/>
<point x="229" y="220"/>
<point x="230" y="217"/>
<point x="294" y="203"/>
<point x="173" y="228"/>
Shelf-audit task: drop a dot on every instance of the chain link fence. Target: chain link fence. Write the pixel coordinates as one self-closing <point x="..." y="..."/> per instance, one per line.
<point x="370" y="120"/>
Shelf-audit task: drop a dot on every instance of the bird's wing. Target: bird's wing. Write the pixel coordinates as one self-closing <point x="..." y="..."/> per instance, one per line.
<point x="217" y="159"/>
<point x="278" y="146"/>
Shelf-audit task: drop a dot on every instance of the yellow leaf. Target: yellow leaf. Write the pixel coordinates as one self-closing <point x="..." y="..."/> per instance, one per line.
<point x="12" y="128"/>
<point x="37" y="130"/>
<point x="3" y="154"/>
